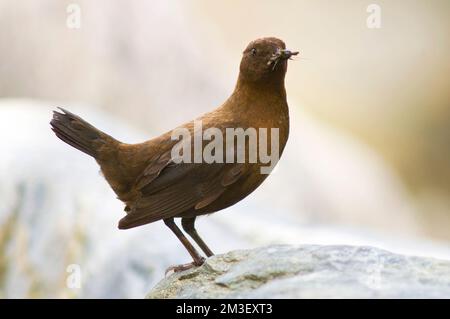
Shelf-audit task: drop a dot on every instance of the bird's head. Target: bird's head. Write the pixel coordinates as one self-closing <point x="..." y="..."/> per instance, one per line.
<point x="265" y="60"/>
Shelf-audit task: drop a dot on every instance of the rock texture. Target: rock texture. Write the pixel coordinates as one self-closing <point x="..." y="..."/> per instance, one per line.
<point x="310" y="271"/>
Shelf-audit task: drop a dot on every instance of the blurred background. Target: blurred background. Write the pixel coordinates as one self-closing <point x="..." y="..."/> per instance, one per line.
<point x="367" y="163"/>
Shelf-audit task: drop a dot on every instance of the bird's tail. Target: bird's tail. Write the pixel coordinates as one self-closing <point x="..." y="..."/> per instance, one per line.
<point x="78" y="133"/>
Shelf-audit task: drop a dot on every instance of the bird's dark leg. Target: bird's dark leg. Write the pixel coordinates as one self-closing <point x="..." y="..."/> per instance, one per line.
<point x="189" y="227"/>
<point x="198" y="260"/>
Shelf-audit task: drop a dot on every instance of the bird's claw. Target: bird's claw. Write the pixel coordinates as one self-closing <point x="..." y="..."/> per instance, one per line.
<point x="183" y="267"/>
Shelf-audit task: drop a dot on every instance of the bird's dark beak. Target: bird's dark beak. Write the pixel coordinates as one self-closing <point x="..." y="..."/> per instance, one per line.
<point x="287" y="54"/>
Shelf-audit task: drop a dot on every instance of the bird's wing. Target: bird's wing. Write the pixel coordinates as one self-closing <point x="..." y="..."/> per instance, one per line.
<point x="168" y="189"/>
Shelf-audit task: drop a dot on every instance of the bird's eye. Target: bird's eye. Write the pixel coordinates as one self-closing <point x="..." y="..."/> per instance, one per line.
<point x="253" y="51"/>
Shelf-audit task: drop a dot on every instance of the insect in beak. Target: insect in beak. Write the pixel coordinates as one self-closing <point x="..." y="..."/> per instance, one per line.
<point x="280" y="54"/>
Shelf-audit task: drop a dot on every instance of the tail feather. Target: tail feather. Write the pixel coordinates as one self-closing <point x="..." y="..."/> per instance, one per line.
<point x="78" y="133"/>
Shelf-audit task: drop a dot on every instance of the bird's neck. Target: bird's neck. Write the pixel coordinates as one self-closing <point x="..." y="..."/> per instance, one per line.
<point x="266" y="97"/>
<point x="271" y="86"/>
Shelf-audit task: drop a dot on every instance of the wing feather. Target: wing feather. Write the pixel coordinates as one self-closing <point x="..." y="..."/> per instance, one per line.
<point x="177" y="188"/>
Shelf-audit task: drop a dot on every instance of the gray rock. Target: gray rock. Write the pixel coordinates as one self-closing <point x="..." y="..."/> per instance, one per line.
<point x="310" y="271"/>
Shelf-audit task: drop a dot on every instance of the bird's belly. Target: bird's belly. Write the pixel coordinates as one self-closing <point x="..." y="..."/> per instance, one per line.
<point x="233" y="194"/>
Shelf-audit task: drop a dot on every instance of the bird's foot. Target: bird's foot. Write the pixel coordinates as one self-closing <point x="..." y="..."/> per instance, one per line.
<point x="183" y="267"/>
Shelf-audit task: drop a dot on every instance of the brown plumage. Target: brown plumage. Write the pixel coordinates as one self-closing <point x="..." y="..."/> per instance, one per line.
<point x="153" y="187"/>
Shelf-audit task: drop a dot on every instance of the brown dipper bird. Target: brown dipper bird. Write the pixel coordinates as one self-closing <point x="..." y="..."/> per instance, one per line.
<point x="154" y="186"/>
